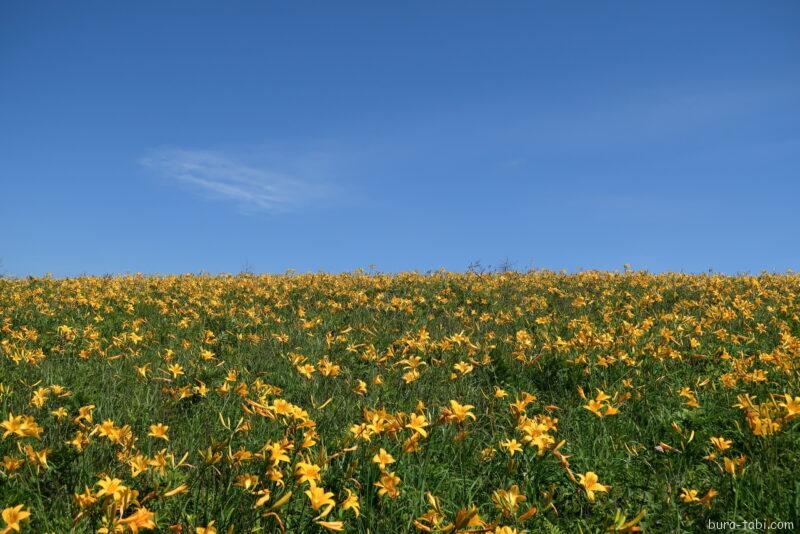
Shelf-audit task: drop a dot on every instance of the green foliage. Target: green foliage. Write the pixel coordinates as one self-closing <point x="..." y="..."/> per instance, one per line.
<point x="650" y="343"/>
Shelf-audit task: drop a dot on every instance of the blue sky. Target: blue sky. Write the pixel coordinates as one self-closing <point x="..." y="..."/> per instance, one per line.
<point x="170" y="137"/>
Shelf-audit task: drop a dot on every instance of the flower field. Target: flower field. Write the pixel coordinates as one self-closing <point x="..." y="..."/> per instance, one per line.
<point x="453" y="403"/>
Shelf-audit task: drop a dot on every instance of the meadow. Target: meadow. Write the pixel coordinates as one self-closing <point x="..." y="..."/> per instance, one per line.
<point x="453" y="403"/>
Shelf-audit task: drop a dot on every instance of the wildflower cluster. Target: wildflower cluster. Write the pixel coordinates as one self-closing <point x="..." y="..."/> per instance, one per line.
<point x="448" y="403"/>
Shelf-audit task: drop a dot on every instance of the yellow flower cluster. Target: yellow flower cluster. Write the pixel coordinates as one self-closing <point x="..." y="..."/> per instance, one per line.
<point x="196" y="403"/>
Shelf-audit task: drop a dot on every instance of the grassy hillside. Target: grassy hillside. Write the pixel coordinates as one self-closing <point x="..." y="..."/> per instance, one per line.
<point x="441" y="403"/>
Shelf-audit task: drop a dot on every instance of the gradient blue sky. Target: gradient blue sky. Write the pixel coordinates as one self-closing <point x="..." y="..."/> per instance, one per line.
<point x="191" y="136"/>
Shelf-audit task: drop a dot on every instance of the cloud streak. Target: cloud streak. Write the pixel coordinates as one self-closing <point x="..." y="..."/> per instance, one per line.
<point x="219" y="176"/>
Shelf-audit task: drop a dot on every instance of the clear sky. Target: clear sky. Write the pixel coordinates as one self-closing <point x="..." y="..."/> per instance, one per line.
<point x="170" y="137"/>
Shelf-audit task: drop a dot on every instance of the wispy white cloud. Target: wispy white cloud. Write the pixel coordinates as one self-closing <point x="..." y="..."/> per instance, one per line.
<point x="221" y="176"/>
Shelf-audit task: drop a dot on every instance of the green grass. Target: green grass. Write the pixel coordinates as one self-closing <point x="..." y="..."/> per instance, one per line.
<point x="258" y="327"/>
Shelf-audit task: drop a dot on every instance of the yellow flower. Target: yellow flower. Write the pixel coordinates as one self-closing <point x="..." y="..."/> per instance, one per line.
<point x="59" y="412"/>
<point x="208" y="529"/>
<point x="159" y="431"/>
<point x="463" y="367"/>
<point x="85" y="499"/>
<point x="141" y="518"/>
<point x="11" y="464"/>
<point x="142" y="371"/>
<point x="37" y="458"/>
<point x="417" y="423"/>
<point x="336" y="526"/>
<point x="590" y="483"/>
<point x="458" y="413"/>
<point x="691" y="398"/>
<point x="732" y="466"/>
<point x="507" y="501"/>
<point x="411" y="376"/>
<point x="263" y="496"/>
<point x="246" y="481"/>
<point x="278" y="452"/>
<point x="21" y="425"/>
<point x="412" y="444"/>
<point x="111" y="487"/>
<point x="512" y="446"/>
<point x="792" y="405"/>
<point x="319" y="498"/>
<point x="721" y="443"/>
<point x="307" y="370"/>
<point x="594" y="406"/>
<point x="387" y="485"/>
<point x="175" y="370"/>
<point x="276" y="476"/>
<point x="383" y="459"/>
<point x="183" y="488"/>
<point x="13" y="516"/>
<point x="351" y="503"/>
<point x="705" y="500"/>
<point x="601" y="396"/>
<point x="305" y="471"/>
<point x="689" y="495"/>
